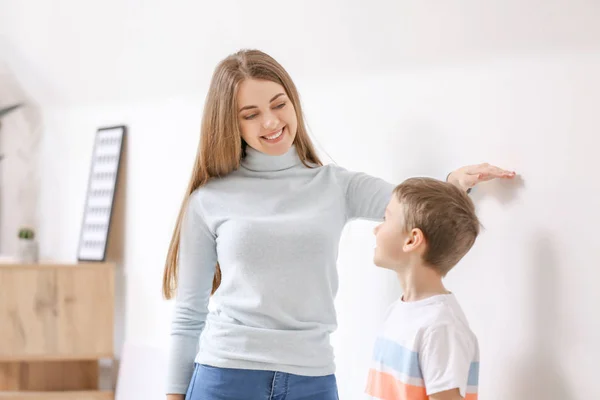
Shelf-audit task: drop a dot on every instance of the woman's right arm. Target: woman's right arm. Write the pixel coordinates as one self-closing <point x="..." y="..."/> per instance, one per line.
<point x="197" y="263"/>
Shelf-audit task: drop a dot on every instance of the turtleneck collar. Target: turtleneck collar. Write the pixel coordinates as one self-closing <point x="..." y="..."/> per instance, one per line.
<point x="261" y="162"/>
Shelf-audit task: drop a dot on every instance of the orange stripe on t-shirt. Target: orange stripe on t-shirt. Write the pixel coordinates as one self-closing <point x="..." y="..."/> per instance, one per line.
<point x="471" y="396"/>
<point x="386" y="387"/>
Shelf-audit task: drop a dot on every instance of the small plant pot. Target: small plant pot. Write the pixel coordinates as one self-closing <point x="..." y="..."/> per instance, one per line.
<point x="28" y="251"/>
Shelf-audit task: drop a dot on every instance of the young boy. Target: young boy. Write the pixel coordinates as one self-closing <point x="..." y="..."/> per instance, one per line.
<point x="426" y="349"/>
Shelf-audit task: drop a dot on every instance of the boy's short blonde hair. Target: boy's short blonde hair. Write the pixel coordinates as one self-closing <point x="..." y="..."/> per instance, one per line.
<point x="446" y="216"/>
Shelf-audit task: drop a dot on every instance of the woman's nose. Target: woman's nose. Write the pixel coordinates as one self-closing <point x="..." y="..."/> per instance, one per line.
<point x="270" y="121"/>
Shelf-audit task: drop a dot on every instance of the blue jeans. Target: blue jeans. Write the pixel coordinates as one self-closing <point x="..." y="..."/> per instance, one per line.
<point x="211" y="383"/>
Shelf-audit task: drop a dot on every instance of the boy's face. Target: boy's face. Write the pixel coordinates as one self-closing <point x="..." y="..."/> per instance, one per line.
<point x="390" y="236"/>
<point x="394" y="245"/>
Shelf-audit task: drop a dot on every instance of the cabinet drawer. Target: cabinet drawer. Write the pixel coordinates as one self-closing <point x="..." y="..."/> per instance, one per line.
<point x="81" y="395"/>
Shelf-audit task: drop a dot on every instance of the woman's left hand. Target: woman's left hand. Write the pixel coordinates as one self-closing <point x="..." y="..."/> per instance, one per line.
<point x="467" y="177"/>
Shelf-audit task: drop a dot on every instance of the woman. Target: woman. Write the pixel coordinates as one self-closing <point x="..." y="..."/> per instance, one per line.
<point x="261" y="222"/>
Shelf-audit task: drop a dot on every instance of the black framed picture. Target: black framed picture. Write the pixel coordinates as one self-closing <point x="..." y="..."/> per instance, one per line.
<point x="102" y="185"/>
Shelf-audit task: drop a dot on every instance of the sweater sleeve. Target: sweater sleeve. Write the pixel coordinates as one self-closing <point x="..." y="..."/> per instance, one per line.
<point x="197" y="262"/>
<point x="366" y="196"/>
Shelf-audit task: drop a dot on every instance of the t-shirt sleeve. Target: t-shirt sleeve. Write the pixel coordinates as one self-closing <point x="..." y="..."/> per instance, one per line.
<point x="366" y="196"/>
<point x="197" y="263"/>
<point x="446" y="356"/>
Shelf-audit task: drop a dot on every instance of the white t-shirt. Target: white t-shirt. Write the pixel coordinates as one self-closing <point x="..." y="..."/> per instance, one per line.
<point x="425" y="347"/>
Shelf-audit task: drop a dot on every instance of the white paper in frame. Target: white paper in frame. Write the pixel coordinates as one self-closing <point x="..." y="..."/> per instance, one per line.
<point x="102" y="184"/>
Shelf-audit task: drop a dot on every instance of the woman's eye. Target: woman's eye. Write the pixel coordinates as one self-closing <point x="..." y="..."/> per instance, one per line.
<point x="280" y="106"/>
<point x="251" y="116"/>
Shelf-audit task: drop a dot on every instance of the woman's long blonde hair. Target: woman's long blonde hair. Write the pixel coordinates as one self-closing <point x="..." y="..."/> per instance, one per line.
<point x="221" y="147"/>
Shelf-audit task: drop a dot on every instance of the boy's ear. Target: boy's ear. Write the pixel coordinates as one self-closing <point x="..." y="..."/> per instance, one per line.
<point x="414" y="240"/>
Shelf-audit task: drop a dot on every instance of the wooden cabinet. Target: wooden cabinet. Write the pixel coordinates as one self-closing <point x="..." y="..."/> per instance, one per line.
<point x="56" y="322"/>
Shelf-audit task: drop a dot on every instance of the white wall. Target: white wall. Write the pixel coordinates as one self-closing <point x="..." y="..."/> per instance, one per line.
<point x="20" y="136"/>
<point x="395" y="89"/>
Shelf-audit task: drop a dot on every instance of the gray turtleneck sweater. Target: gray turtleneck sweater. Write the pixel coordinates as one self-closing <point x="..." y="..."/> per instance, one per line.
<point x="274" y="226"/>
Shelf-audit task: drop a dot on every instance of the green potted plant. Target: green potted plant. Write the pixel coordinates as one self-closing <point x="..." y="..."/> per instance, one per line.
<point x="28" y="246"/>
